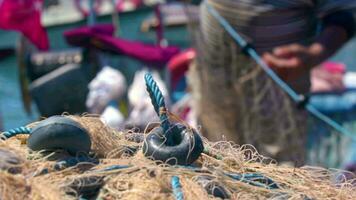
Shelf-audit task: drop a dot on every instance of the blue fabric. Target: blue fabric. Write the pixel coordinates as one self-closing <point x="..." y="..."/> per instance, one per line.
<point x="335" y="103"/>
<point x="180" y="90"/>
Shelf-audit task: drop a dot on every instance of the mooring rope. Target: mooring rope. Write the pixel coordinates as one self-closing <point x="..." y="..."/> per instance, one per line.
<point x="157" y="100"/>
<point x="301" y="100"/>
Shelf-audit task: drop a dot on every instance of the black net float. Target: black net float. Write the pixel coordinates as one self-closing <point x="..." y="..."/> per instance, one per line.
<point x="59" y="132"/>
<point x="213" y="187"/>
<point x="9" y="161"/>
<point x="183" y="147"/>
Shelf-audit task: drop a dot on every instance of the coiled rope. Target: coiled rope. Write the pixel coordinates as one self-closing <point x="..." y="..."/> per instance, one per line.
<point x="301" y="100"/>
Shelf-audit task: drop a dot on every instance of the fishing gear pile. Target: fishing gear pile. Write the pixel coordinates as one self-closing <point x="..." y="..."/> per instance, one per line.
<point x="79" y="157"/>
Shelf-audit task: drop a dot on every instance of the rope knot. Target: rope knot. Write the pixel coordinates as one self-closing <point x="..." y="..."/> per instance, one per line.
<point x="162" y="111"/>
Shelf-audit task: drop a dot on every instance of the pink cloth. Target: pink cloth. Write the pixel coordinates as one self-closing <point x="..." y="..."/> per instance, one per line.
<point x="24" y="16"/>
<point x="328" y="77"/>
<point x="100" y="36"/>
<point x="179" y="64"/>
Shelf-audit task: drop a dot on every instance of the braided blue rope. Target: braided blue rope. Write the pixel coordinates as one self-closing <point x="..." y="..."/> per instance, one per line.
<point x="17" y="131"/>
<point x="157" y="100"/>
<point x="246" y="47"/>
<point x="255" y="179"/>
<point x="177" y="188"/>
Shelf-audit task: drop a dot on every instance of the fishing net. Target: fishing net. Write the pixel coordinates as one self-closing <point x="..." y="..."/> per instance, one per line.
<point x="236" y="99"/>
<point x="130" y="175"/>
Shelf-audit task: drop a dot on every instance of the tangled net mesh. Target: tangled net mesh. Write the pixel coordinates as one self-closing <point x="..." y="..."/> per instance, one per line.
<point x="32" y="175"/>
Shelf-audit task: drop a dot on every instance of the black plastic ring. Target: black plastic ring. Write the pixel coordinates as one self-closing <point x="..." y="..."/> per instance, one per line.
<point x="186" y="145"/>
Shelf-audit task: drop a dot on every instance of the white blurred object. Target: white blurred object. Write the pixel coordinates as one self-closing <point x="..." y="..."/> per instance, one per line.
<point x="153" y="2"/>
<point x="185" y="110"/>
<point x="350" y="80"/>
<point x="142" y="111"/>
<point x="113" y="117"/>
<point x="109" y="84"/>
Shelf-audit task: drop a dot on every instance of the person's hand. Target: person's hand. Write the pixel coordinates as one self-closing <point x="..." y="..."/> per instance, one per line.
<point x="293" y="61"/>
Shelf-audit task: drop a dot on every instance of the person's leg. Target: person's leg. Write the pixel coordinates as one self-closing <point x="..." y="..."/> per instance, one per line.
<point x="248" y="110"/>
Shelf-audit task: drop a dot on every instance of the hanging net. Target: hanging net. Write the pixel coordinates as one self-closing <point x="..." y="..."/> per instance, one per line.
<point x="236" y="100"/>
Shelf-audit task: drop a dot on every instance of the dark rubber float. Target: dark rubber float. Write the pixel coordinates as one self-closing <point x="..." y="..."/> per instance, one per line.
<point x="9" y="161"/>
<point x="183" y="147"/>
<point x="213" y="187"/>
<point x="59" y="132"/>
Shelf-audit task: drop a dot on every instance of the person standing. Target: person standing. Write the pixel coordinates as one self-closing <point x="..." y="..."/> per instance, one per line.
<point x="235" y="98"/>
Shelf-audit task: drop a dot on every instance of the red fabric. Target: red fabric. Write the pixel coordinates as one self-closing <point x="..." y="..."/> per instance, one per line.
<point x="100" y="36"/>
<point x="179" y="64"/>
<point x="328" y="77"/>
<point x="24" y="16"/>
<point x="334" y="67"/>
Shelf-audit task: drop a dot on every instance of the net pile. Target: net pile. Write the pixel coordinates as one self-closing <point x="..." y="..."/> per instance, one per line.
<point x="117" y="169"/>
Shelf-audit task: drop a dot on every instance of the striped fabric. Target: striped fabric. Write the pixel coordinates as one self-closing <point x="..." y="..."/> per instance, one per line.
<point x="279" y="21"/>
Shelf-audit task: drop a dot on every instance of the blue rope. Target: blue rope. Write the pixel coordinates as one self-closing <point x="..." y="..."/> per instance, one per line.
<point x="92" y="14"/>
<point x="177" y="188"/>
<point x="112" y="168"/>
<point x="17" y="131"/>
<point x="255" y="179"/>
<point x="157" y="100"/>
<point x="299" y="99"/>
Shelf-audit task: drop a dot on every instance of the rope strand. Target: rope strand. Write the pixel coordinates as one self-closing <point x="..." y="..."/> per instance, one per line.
<point x="177" y="188"/>
<point x="157" y="100"/>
